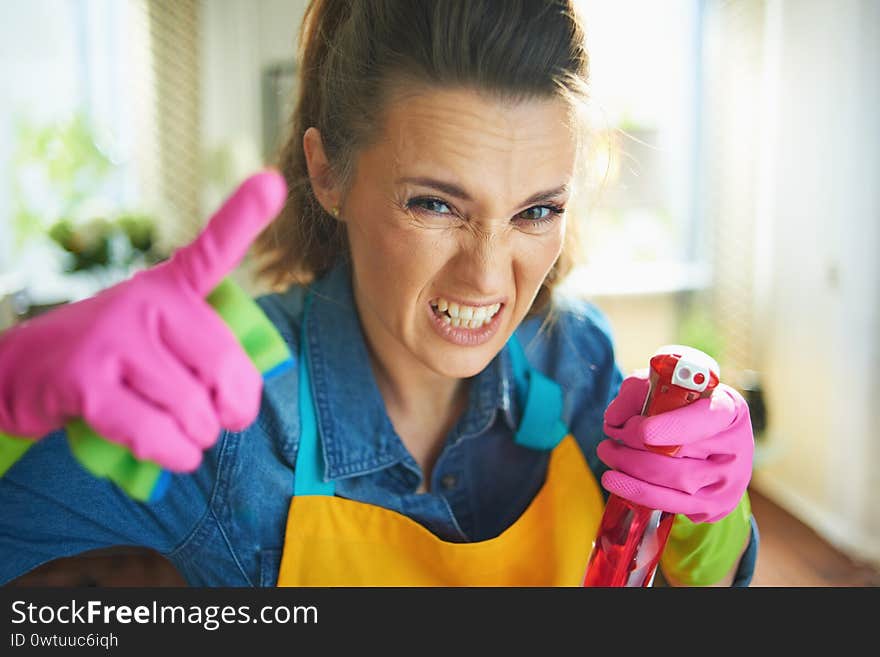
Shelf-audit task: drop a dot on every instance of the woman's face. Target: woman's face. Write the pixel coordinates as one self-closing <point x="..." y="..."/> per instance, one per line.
<point x="454" y="218"/>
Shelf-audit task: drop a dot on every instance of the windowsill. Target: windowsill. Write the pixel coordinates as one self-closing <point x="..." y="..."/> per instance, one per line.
<point x="638" y="279"/>
<point x="39" y="274"/>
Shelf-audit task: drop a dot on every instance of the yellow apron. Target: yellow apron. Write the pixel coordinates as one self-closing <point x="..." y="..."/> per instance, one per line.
<point x="333" y="541"/>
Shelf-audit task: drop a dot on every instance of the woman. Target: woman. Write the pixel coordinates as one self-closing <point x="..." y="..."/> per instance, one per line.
<point x="445" y="423"/>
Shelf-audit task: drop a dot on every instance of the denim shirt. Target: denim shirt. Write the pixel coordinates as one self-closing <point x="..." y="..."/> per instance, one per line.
<point x="223" y="525"/>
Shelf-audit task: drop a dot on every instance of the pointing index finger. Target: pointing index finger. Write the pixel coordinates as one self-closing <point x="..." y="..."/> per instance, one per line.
<point x="225" y="240"/>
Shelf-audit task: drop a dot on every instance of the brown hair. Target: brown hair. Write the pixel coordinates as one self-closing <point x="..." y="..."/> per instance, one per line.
<point x="353" y="55"/>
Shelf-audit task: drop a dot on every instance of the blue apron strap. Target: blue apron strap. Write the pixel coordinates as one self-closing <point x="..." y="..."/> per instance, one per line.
<point x="307" y="478"/>
<point x="540" y="400"/>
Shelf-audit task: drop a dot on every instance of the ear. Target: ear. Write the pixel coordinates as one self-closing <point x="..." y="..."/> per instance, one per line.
<point x="323" y="181"/>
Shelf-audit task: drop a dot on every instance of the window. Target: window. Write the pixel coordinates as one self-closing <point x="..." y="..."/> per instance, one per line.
<point x="66" y="131"/>
<point x="98" y="140"/>
<point x="641" y="231"/>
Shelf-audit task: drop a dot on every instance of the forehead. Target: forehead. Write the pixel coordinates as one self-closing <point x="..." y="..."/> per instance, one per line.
<point x="463" y="132"/>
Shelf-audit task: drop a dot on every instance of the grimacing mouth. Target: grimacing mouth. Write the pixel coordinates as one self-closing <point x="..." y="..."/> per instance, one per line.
<point x="464" y="316"/>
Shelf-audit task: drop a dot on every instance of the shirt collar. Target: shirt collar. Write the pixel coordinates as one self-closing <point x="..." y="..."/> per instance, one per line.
<point x="357" y="436"/>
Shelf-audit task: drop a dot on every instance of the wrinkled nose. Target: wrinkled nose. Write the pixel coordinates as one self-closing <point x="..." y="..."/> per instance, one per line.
<point x="483" y="263"/>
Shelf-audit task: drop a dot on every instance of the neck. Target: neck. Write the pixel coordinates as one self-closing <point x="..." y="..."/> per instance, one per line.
<point x="422" y="405"/>
<point x="407" y="386"/>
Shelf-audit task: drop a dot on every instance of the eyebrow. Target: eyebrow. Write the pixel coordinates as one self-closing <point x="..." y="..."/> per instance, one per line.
<point x="458" y="192"/>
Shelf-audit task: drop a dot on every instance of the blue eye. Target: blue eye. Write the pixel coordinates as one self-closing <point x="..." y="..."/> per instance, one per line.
<point x="429" y="204"/>
<point x="541" y="214"/>
<point x="534" y="216"/>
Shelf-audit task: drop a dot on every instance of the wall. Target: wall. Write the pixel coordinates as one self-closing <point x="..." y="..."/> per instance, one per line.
<point x="640" y="323"/>
<point x="817" y="323"/>
<point x="240" y="38"/>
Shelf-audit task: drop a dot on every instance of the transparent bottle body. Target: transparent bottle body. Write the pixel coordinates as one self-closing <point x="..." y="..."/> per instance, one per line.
<point x="631" y="537"/>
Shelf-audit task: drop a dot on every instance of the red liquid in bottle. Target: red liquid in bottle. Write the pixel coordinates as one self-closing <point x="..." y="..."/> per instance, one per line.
<point x="631" y="537"/>
<point x="630" y="541"/>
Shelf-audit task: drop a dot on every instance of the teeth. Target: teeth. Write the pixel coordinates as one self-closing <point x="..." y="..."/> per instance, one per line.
<point x="471" y="317"/>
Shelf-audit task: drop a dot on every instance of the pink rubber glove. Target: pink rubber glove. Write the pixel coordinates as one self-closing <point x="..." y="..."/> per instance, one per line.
<point x="147" y="363"/>
<point x="705" y="479"/>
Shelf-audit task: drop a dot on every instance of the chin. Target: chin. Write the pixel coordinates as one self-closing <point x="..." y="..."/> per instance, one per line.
<point x="464" y="365"/>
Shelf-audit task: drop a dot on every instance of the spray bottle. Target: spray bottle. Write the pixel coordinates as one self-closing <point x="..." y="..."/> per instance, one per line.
<point x="631" y="537"/>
